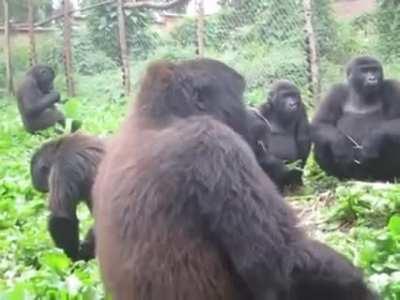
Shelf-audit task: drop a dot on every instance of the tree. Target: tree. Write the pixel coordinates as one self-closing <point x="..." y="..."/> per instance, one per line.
<point x="67" y="52"/>
<point x="7" y="52"/>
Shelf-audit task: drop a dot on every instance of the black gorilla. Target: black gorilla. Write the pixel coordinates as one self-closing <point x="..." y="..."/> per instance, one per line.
<point x="357" y="127"/>
<point x="184" y="211"/>
<point x="66" y="168"/>
<point x="36" y="99"/>
<point x="289" y="138"/>
<point x="259" y="137"/>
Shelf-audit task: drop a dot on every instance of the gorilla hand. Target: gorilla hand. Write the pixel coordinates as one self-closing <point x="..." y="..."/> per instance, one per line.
<point x="371" y="146"/>
<point x="342" y="149"/>
<point x="55" y="96"/>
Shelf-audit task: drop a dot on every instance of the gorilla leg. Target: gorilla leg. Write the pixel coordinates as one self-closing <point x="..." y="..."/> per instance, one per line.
<point x="47" y="119"/>
<point x="322" y="273"/>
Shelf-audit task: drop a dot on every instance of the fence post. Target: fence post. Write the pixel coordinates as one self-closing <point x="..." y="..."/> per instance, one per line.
<point x="67" y="49"/>
<point x="311" y="47"/>
<point x="7" y="52"/>
<point x="126" y="80"/>
<point x="200" y="28"/>
<point x="32" y="43"/>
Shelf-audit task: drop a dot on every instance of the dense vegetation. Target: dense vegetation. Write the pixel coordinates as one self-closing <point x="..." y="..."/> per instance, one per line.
<point x="360" y="220"/>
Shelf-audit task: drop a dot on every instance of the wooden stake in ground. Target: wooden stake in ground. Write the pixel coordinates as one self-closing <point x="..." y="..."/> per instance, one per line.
<point x="31" y="34"/>
<point x="7" y="51"/>
<point x="200" y="28"/>
<point x="312" y="48"/>
<point x="124" y="49"/>
<point x="67" y="49"/>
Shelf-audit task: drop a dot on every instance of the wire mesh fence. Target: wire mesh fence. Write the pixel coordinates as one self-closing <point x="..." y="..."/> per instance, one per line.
<point x="305" y="41"/>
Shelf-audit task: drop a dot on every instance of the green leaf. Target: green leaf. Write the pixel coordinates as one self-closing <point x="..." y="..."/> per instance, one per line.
<point x="71" y="108"/>
<point x="56" y="261"/>
<point x="394" y="226"/>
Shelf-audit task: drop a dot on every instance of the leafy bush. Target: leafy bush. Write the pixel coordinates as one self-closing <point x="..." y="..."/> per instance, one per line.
<point x="103" y="30"/>
<point x="388" y="25"/>
<point x="88" y="59"/>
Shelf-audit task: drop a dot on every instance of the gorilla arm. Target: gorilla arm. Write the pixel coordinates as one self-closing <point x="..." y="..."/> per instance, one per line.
<point x="276" y="169"/>
<point x="324" y="132"/>
<point x="303" y="136"/>
<point x="240" y="208"/>
<point x="66" y="180"/>
<point x="323" y="126"/>
<point x="33" y="101"/>
<point x="387" y="132"/>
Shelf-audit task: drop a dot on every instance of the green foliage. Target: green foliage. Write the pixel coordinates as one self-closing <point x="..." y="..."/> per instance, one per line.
<point x="88" y="59"/>
<point x="30" y="266"/>
<point x="325" y="26"/>
<point x="103" y="30"/>
<point x="388" y="25"/>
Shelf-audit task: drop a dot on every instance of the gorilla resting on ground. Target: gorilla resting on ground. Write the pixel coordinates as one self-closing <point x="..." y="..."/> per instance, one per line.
<point x="289" y="138"/>
<point x="183" y="210"/>
<point x="36" y="99"/>
<point x="67" y="167"/>
<point x="357" y="127"/>
<point x="259" y="135"/>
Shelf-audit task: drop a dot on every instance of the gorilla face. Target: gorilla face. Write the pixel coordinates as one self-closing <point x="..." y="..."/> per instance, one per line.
<point x="41" y="164"/>
<point x="365" y="75"/>
<point x="286" y="101"/>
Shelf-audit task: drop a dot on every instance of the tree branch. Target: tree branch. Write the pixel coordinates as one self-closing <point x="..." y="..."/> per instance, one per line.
<point x="155" y="5"/>
<point x="60" y="15"/>
<point x="129" y="5"/>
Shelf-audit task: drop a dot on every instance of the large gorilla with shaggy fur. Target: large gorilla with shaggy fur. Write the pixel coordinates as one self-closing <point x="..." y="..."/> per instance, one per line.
<point x="184" y="211"/>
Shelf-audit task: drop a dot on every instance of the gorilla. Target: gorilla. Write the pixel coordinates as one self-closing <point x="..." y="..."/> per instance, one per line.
<point x="274" y="167"/>
<point x="184" y="211"/>
<point x="66" y="167"/>
<point x="289" y="138"/>
<point x="36" y="99"/>
<point x="356" y="129"/>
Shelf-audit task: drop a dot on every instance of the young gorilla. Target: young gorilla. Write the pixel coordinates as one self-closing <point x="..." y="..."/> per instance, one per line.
<point x="183" y="210"/>
<point x="357" y="127"/>
<point x="67" y="167"/>
<point x="275" y="168"/>
<point x="289" y="138"/>
<point x="36" y="98"/>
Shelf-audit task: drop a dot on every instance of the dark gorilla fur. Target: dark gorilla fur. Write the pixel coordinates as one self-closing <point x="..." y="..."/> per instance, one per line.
<point x="357" y="127"/>
<point x="184" y="211"/>
<point x="274" y="167"/>
<point x="285" y="111"/>
<point x="36" y="98"/>
<point x="66" y="168"/>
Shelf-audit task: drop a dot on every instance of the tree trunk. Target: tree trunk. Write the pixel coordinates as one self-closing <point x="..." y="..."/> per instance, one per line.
<point x="200" y="28"/>
<point x="7" y="51"/>
<point x="69" y="77"/>
<point x="311" y="48"/>
<point x="32" y="43"/>
<point x="126" y="81"/>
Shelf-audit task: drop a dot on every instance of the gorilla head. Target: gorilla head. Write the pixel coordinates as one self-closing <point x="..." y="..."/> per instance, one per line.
<point x="44" y="76"/>
<point x="365" y="75"/>
<point x="41" y="164"/>
<point x="284" y="98"/>
<point x="192" y="88"/>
